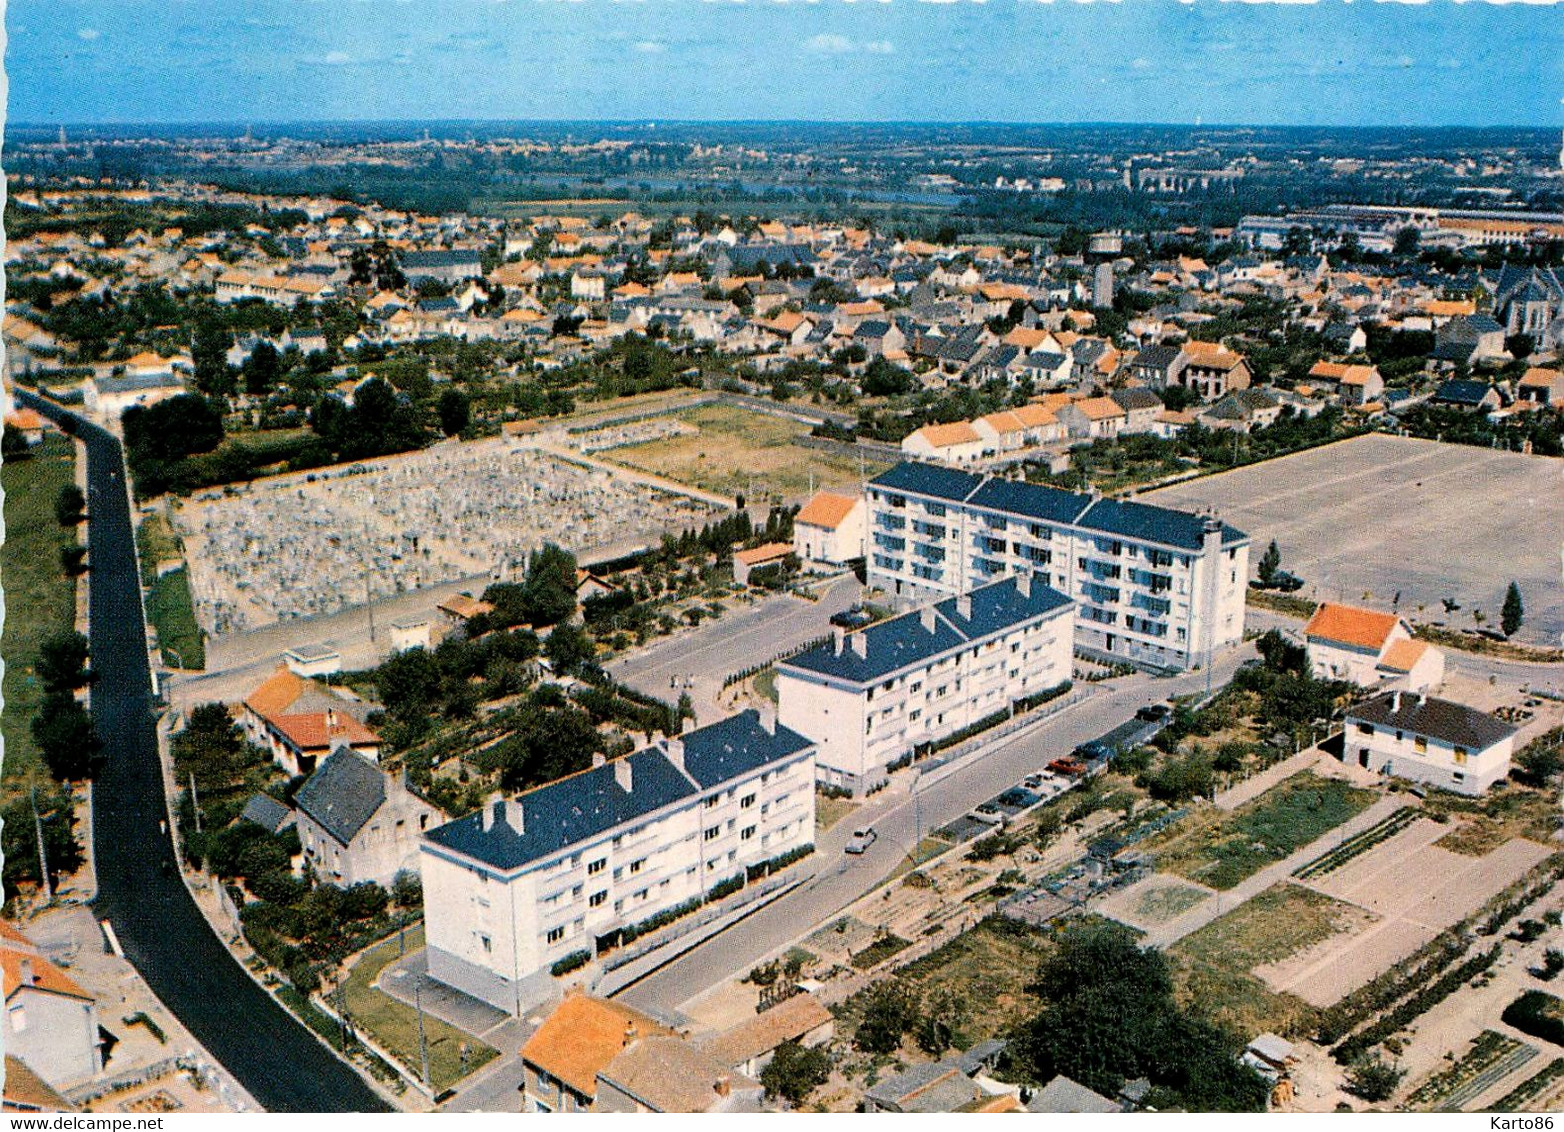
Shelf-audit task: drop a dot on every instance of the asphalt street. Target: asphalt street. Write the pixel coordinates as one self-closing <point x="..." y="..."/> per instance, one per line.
<point x="902" y="818"/>
<point x="163" y="934"/>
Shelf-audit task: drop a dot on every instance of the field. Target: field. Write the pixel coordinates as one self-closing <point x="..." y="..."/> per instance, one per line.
<point x="1486" y="823"/>
<point x="39" y="599"/>
<point x="1278" y="923"/>
<point x="1410" y="889"/>
<point x="170" y="609"/>
<point x="829" y="811"/>
<point x="985" y="971"/>
<point x="1221" y="849"/>
<point x="1157" y="900"/>
<point x="394" y="1025"/>
<point x="1492" y="1057"/>
<point x="1367" y="519"/>
<point x="738" y="451"/>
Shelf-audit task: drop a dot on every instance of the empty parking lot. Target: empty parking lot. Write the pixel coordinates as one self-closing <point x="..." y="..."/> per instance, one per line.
<point x="1368" y="518"/>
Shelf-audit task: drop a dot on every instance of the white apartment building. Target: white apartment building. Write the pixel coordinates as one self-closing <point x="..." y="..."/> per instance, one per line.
<point x="872" y="697"/>
<point x="1430" y="740"/>
<point x="1153" y="586"/>
<point x="564" y="868"/>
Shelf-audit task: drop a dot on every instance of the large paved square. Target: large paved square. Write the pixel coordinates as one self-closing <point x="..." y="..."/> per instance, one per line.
<point x="1365" y="519"/>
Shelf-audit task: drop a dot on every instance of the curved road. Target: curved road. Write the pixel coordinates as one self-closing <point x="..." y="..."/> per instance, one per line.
<point x="282" y="1065"/>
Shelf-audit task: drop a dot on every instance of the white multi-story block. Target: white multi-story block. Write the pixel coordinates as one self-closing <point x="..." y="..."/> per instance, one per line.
<point x="1430" y="740"/>
<point x="526" y="881"/>
<point x="1153" y="586"/>
<point x="872" y="697"/>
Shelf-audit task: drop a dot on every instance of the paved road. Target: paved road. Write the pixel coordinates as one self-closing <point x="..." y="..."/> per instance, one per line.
<point x="140" y="892"/>
<point x="900" y="818"/>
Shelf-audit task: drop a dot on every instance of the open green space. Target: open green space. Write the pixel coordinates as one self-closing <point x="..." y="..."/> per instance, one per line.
<point x="172" y="612"/>
<point x="394" y="1025"/>
<point x="1281" y="921"/>
<point x="739" y="452"/>
<point x="829" y="810"/>
<point x="39" y="599"/>
<point x="1221" y="849"/>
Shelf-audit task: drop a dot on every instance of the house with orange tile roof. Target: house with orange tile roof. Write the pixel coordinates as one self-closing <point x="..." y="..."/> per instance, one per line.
<point x="51" y="1023"/>
<point x="765" y="556"/>
<point x="1371" y="649"/>
<point x="25" y="1091"/>
<point x="1354" y="384"/>
<point x="1542" y="386"/>
<point x="954" y="443"/>
<point x="583" y="1035"/>
<point x="669" y="1074"/>
<point x="299" y="722"/>
<point x="830" y="530"/>
<point x="1212" y="370"/>
<point x="1094" y="418"/>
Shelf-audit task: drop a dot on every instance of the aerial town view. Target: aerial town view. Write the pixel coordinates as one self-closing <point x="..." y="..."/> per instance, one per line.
<point x="831" y="558"/>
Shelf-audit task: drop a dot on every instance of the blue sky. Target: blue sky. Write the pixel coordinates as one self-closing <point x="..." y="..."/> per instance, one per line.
<point x="1331" y="62"/>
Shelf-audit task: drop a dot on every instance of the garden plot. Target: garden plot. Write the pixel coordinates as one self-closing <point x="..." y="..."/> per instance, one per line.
<point x="1415" y="890"/>
<point x="1150" y="903"/>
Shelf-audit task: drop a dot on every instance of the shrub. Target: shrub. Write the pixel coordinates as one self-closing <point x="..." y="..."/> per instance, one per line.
<point x="572" y="962"/>
<point x="1537" y="1014"/>
<point x="1373" y="1079"/>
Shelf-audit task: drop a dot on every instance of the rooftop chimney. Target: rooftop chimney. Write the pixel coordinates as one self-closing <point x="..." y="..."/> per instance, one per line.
<point x="859" y="642"/>
<point x="723" y="1085"/>
<point x="1395" y="703"/>
<point x="514" y="816"/>
<point x="675" y="751"/>
<point x="926" y="617"/>
<point x="838" y="638"/>
<point x="1024" y="583"/>
<point x="686" y="725"/>
<point x="492" y="805"/>
<point x="768" y="717"/>
<point x="598" y="759"/>
<point x="28" y="977"/>
<point x="964" y="607"/>
<point x="629" y="1032"/>
<point x="622" y="773"/>
<point x="331" y="718"/>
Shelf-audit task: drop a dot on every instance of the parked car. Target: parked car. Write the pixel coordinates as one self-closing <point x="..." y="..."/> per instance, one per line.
<point x="861" y="839"/>
<point x="988" y="814"/>
<point x="855" y="618"/>
<point x="1035" y="781"/>
<point x="1094" y="751"/>
<point x="1286" y="582"/>
<point x="1071" y="768"/>
<point x="1154" y="713"/>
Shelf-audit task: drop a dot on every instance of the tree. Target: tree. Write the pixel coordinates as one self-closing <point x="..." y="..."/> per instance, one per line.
<point x="1270" y="562"/>
<point x="890" y="1009"/>
<point x="62" y="662"/>
<point x="455" y="411"/>
<point x="794" y="1072"/>
<point x="1541" y="761"/>
<point x="1373" y="1079"/>
<point x="209" y="357"/>
<point x="71" y="505"/>
<point x="568" y="647"/>
<point x="66" y="738"/>
<point x="1280" y="654"/>
<point x="549" y="593"/>
<point x="262" y="369"/>
<point x="1513" y="613"/>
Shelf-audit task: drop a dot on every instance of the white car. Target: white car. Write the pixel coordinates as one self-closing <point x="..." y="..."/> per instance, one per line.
<point x="860" y="841"/>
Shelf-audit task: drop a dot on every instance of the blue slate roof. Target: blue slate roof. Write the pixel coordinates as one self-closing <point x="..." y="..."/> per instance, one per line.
<point x="928" y="479"/>
<point x="1154" y="524"/>
<point x="904" y="641"/>
<point x="1032" y="500"/>
<point x="736" y="745"/>
<point x="585" y="805"/>
<point x="266" y="812"/>
<point x="343" y="793"/>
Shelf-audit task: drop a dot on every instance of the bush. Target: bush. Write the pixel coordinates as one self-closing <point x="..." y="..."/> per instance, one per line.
<point x="1537" y="1014"/>
<point x="572" y="962"/>
<point x="1373" y="1079"/>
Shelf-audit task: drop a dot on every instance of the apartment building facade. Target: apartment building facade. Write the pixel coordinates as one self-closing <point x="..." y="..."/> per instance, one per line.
<point x="564" y="868"/>
<point x="872" y="697"/>
<point x="1153" y="586"/>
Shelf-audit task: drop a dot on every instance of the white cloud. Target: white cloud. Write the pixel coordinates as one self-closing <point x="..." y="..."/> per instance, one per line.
<point x="648" y="47"/>
<point x="826" y="44"/>
<point x="880" y="47"/>
<point x="337" y="59"/>
<point x="89" y="34"/>
<point x="1141" y="64"/>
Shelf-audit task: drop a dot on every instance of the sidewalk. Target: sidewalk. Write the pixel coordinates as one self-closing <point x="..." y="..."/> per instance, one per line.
<point x="1229" y="899"/>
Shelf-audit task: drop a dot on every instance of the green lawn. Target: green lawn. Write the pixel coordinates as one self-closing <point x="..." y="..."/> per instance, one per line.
<point x="1281" y="921"/>
<point x="394" y="1025"/>
<point x="39" y="599"/>
<point x="1221" y="849"/>
<point x="170" y="610"/>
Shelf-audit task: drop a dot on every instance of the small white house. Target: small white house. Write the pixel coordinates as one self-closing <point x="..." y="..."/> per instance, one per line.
<point x="1429" y="740"/>
<point x="1371" y="649"/>
<point x="312" y="660"/>
<point x="954" y="443"/>
<point x="830" y="530"/>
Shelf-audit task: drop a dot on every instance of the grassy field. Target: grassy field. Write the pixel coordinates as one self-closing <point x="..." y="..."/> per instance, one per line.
<point x="829" y="811"/>
<point x="1487" y="823"/>
<point x="1239" y="1002"/>
<point x="170" y="609"/>
<point x="1221" y="849"/>
<point x="39" y="599"/>
<point x="737" y="449"/>
<point x="1160" y="905"/>
<point x="394" y="1025"/>
<point x="986" y="971"/>
<point x="1281" y="921"/>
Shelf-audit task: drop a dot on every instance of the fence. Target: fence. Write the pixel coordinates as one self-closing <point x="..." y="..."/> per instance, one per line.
<point x="936" y="769"/>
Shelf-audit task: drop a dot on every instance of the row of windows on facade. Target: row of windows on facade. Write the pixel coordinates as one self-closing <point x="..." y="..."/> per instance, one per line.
<point x="1419" y="743"/>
